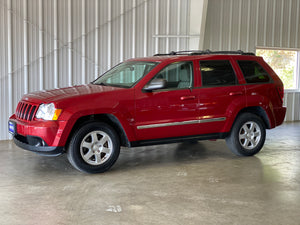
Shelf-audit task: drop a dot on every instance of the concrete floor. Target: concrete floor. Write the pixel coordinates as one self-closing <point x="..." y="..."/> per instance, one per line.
<point x="201" y="183"/>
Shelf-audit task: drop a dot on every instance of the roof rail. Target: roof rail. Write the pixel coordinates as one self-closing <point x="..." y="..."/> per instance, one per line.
<point x="206" y="52"/>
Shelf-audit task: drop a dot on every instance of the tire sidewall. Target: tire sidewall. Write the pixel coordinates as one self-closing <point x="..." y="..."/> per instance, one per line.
<point x="74" y="154"/>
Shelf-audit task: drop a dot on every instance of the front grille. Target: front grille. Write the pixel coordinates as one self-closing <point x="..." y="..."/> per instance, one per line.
<point x="26" y="111"/>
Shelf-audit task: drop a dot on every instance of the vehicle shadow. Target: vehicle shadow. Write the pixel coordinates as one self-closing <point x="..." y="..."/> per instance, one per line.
<point x="129" y="159"/>
<point x="146" y="157"/>
<point x="185" y="152"/>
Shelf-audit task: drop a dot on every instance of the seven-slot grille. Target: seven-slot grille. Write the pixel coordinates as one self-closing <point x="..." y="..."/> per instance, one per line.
<point x="26" y="111"/>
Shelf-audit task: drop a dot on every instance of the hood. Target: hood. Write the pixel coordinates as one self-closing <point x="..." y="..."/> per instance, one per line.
<point x="57" y="95"/>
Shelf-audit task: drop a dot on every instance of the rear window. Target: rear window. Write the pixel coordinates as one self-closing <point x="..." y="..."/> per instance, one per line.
<point x="254" y="72"/>
<point x="217" y="73"/>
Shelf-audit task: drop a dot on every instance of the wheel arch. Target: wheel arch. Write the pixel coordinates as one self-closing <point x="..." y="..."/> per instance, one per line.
<point x="259" y="111"/>
<point x="106" y="118"/>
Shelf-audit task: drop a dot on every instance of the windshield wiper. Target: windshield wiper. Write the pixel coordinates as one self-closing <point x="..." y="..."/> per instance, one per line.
<point x="102" y="83"/>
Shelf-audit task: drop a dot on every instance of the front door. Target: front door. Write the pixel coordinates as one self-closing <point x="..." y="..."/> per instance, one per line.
<point x="171" y="111"/>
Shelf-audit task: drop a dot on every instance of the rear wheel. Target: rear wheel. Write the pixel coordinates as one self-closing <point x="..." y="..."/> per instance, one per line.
<point x="247" y="135"/>
<point x="94" y="148"/>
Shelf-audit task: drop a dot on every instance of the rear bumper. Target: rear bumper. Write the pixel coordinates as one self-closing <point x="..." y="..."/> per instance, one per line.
<point x="37" y="145"/>
<point x="279" y="115"/>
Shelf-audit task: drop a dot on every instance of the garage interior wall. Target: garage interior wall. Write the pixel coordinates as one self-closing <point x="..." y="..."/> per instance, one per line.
<point x="49" y="44"/>
<point x="57" y="43"/>
<point x="247" y="24"/>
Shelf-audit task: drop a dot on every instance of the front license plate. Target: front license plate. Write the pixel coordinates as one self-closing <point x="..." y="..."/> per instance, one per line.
<point x="11" y="127"/>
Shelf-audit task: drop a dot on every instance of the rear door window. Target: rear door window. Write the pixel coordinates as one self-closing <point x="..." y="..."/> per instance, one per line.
<point x="217" y="73"/>
<point x="254" y="72"/>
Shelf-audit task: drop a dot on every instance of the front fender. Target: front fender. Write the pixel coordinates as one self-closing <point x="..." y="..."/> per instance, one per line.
<point x="123" y="120"/>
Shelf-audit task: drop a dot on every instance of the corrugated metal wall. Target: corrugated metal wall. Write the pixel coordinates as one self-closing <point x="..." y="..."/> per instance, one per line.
<point x="292" y="101"/>
<point x="5" y="72"/>
<point x="247" y="24"/>
<point x="47" y="44"/>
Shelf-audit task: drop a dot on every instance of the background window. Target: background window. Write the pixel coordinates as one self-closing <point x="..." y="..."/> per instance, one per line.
<point x="253" y="72"/>
<point x="177" y="75"/>
<point x="217" y="73"/>
<point x="285" y="63"/>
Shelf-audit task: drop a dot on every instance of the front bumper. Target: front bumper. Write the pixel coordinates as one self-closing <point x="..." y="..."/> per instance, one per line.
<point x="37" y="145"/>
<point x="42" y="137"/>
<point x="52" y="132"/>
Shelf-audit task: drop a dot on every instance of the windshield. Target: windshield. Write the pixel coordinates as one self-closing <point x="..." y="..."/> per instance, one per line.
<point x="125" y="74"/>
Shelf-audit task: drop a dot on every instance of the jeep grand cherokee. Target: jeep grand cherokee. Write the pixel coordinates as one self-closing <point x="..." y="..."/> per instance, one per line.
<point x="190" y="95"/>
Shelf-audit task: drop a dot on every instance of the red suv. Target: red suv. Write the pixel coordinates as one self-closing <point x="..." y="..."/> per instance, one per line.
<point x="191" y="95"/>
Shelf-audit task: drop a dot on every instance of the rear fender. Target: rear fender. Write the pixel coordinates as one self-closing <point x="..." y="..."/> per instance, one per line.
<point x="266" y="105"/>
<point x="232" y="111"/>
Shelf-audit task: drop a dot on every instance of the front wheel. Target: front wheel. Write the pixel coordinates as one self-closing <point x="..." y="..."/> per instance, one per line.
<point x="94" y="148"/>
<point x="247" y="135"/>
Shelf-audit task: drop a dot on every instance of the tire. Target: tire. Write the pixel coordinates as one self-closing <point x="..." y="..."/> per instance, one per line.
<point x="247" y="135"/>
<point x="94" y="148"/>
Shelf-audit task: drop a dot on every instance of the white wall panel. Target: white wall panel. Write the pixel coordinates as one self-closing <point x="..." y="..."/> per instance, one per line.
<point x="245" y="24"/>
<point x="4" y="111"/>
<point x="293" y="113"/>
<point x="56" y="43"/>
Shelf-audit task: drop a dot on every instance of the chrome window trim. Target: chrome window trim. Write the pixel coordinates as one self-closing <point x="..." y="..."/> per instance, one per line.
<point x="181" y="123"/>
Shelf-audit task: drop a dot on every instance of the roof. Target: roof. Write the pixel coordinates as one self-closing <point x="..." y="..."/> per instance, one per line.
<point x="190" y="55"/>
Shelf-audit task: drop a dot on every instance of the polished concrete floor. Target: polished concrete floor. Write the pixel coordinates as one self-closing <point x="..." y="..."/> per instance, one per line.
<point x="200" y="183"/>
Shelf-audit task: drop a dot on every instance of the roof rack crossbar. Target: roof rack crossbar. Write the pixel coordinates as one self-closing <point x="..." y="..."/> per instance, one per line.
<point x="206" y="52"/>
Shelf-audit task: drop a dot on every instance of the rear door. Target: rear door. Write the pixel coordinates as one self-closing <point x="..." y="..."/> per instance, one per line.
<point x="221" y="95"/>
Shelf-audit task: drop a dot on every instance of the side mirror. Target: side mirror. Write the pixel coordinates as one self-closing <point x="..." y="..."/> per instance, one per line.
<point x="155" y="84"/>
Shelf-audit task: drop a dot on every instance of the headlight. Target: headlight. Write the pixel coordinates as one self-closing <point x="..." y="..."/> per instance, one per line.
<point x="48" y="112"/>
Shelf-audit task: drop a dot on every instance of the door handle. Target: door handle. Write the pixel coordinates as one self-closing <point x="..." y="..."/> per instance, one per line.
<point x="235" y="93"/>
<point x="187" y="98"/>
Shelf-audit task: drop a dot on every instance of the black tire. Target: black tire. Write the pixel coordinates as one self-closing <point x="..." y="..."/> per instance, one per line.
<point x="94" y="148"/>
<point x="247" y="135"/>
